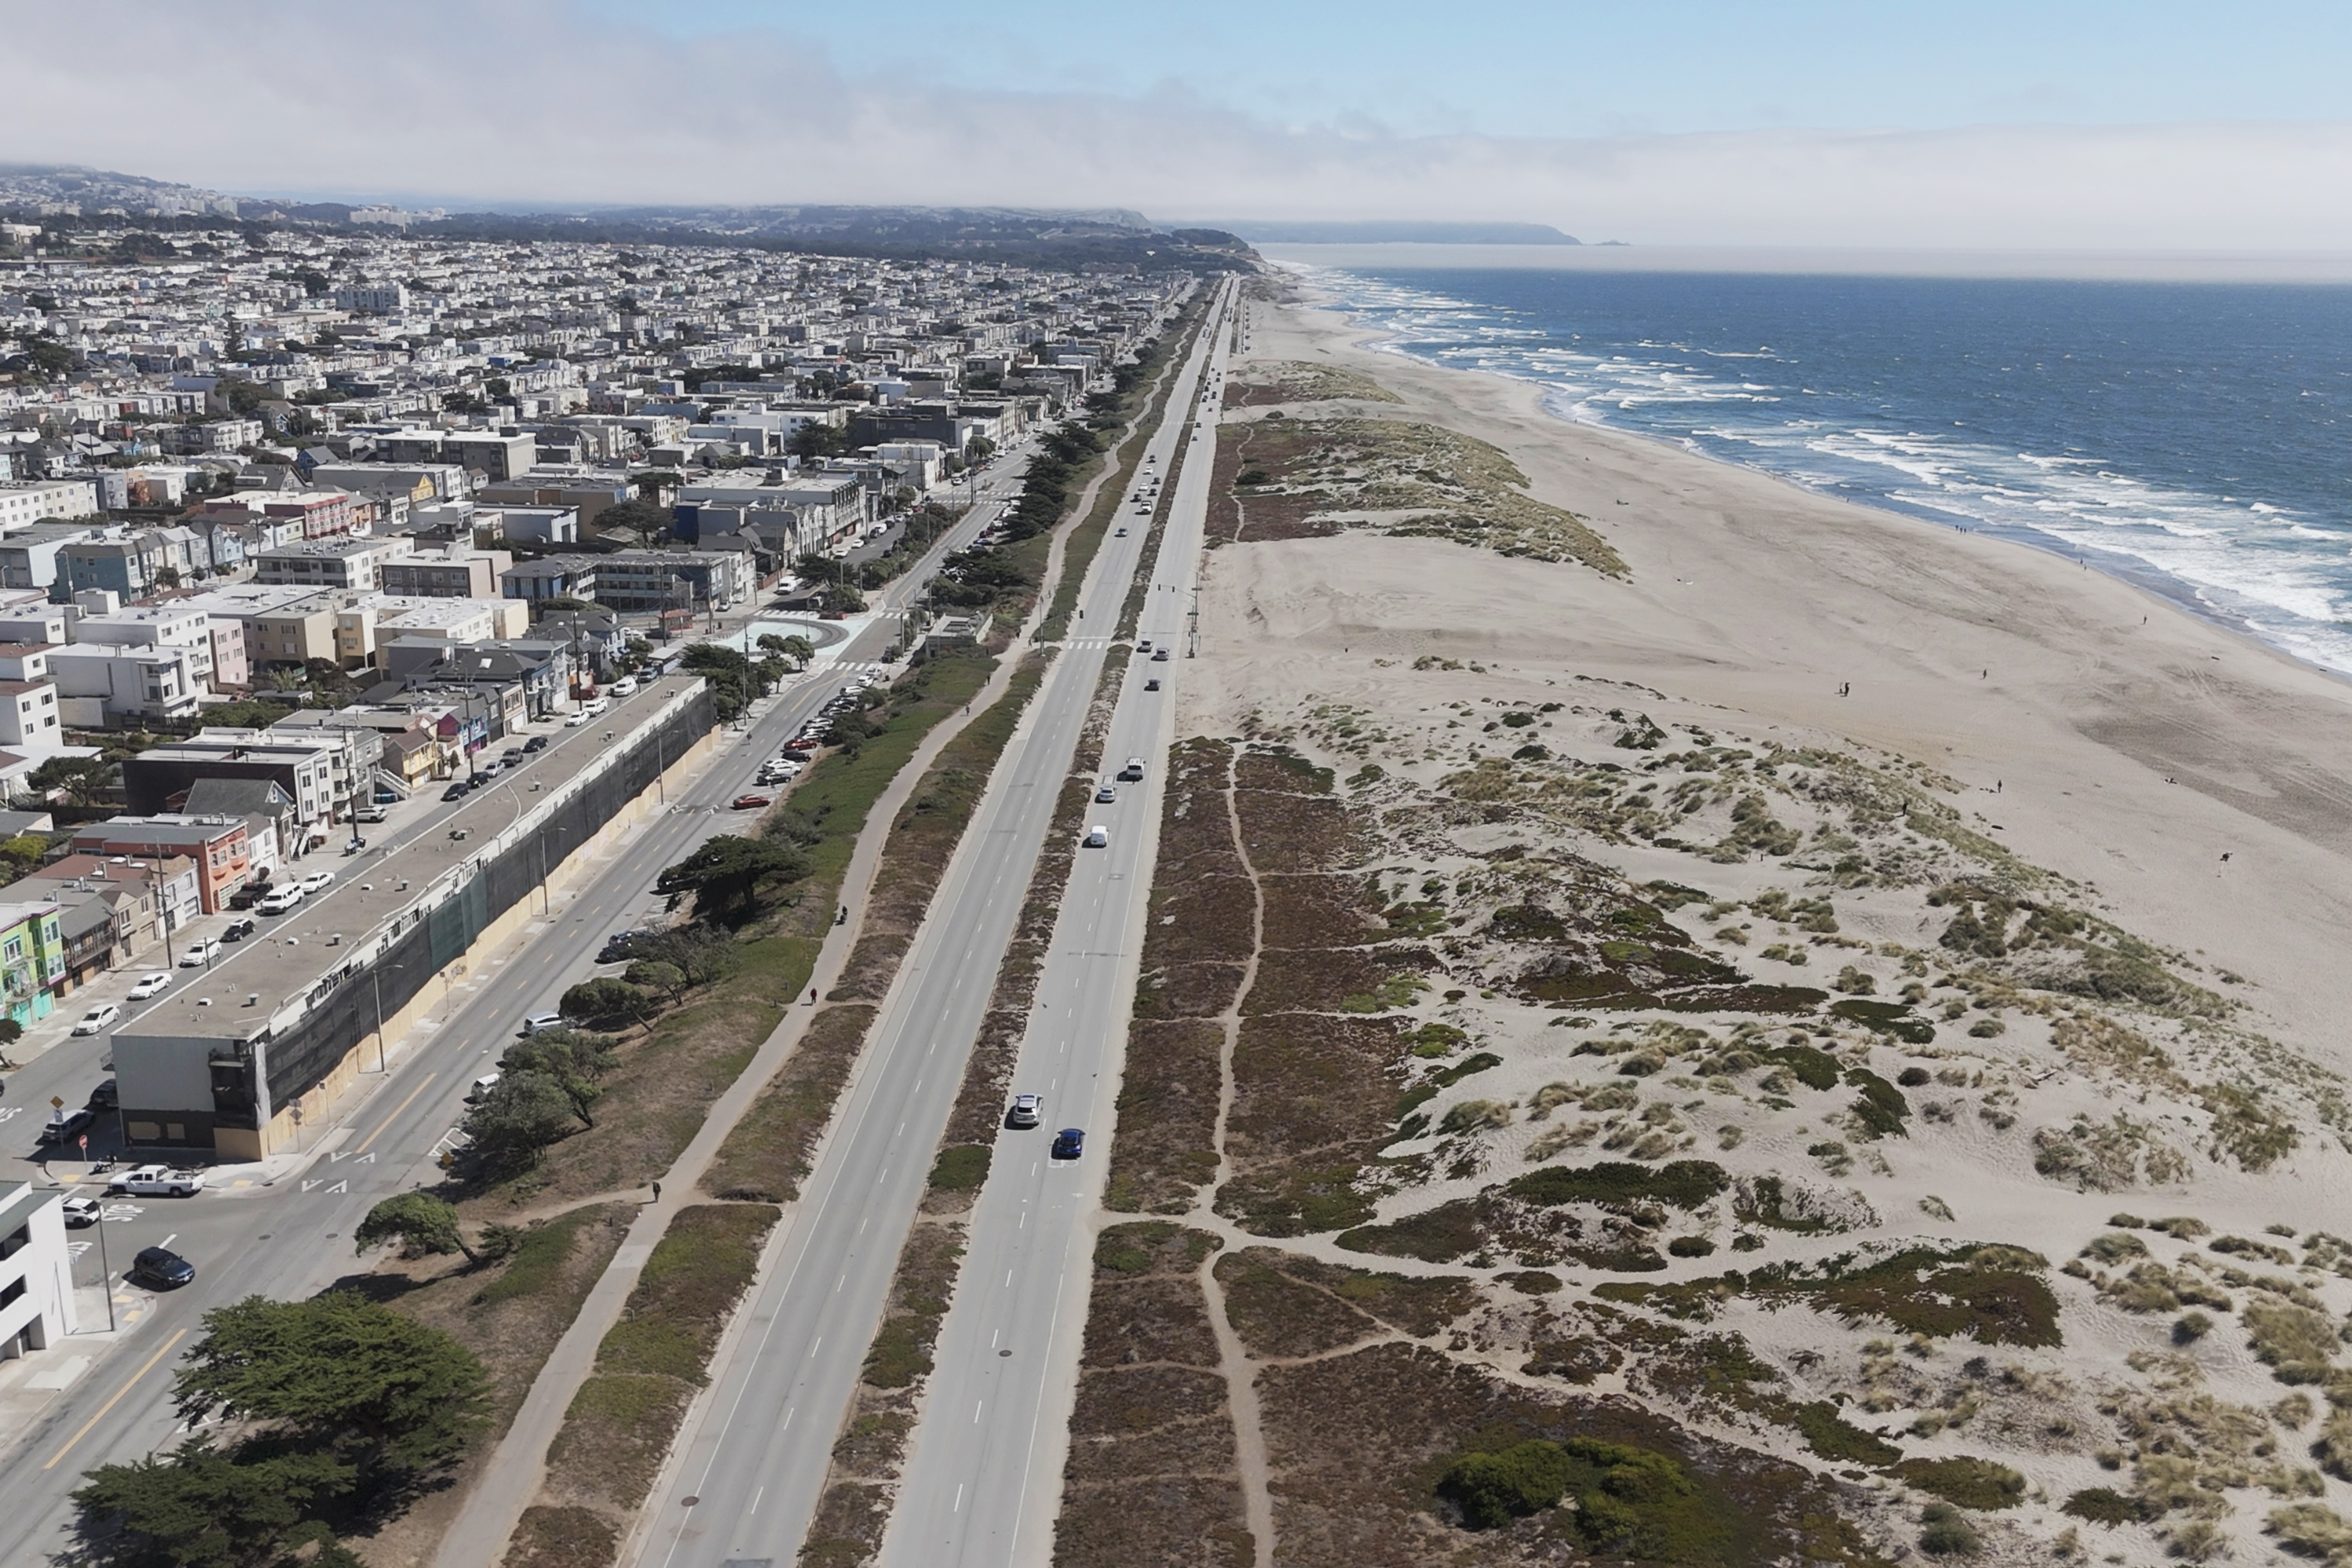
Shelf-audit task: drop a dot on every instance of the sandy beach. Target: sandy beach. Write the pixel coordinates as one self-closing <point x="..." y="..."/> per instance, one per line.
<point x="1945" y="929"/>
<point x="2132" y="745"/>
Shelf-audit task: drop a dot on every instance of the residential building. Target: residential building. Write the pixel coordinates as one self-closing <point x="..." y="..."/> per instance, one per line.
<point x="216" y="846"/>
<point x="28" y="716"/>
<point x="24" y="502"/>
<point x="455" y="571"/>
<point x="37" y="1288"/>
<point x="551" y="577"/>
<point x="97" y="684"/>
<point x="307" y="766"/>
<point x="668" y="579"/>
<point x="162" y="625"/>
<point x="349" y="565"/>
<point x="32" y="957"/>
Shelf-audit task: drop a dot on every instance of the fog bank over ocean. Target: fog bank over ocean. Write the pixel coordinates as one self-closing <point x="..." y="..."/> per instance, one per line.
<point x="2182" y="426"/>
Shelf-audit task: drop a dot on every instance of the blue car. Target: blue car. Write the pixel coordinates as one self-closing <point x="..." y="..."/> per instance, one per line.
<point x="1069" y="1142"/>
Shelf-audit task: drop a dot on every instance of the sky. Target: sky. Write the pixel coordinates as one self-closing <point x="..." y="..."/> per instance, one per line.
<point x="2062" y="124"/>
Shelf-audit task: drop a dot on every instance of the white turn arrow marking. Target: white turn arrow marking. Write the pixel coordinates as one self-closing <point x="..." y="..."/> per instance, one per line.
<point x="307" y="1186"/>
<point x="339" y="1188"/>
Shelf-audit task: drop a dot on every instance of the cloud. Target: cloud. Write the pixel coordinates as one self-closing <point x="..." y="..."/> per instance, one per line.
<point x="542" y="101"/>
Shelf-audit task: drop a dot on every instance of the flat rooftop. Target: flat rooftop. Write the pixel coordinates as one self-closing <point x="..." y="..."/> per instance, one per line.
<point x="288" y="956"/>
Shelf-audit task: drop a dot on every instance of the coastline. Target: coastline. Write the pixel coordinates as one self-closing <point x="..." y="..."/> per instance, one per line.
<point x="2178" y="592"/>
<point x="2146" y="739"/>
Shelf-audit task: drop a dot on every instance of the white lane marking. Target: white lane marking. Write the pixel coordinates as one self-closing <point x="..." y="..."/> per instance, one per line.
<point x="976" y="1410"/>
<point x="813" y="1349"/>
<point x="755" y="1500"/>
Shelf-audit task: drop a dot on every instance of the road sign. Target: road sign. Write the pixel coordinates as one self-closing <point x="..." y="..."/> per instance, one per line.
<point x="56" y="1103"/>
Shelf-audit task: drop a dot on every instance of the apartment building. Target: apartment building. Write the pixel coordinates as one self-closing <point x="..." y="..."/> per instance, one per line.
<point x="36" y="1291"/>
<point x="353" y="565"/>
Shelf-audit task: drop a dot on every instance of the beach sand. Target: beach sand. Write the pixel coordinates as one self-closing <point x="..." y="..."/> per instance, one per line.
<point x="2133" y="745"/>
<point x="1773" y="669"/>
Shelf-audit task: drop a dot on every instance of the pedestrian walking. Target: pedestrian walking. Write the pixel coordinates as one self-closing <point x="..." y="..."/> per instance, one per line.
<point x="656" y="1191"/>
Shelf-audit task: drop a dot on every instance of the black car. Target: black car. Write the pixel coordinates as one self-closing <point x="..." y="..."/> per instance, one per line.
<point x="239" y="931"/>
<point x="245" y="897"/>
<point x="455" y="791"/>
<point x="536" y="743"/>
<point x="105" y="1096"/>
<point x="1069" y="1142"/>
<point x="162" y="1269"/>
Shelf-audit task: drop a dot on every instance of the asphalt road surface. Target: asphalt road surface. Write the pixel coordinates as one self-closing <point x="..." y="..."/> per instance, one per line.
<point x="291" y="1238"/>
<point x="745" y="1485"/>
<point x="983" y="1479"/>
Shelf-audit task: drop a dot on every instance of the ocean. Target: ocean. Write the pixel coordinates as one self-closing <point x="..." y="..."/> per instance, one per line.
<point x="2190" y="436"/>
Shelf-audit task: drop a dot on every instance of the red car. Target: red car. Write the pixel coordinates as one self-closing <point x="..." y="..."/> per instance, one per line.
<point x="751" y="801"/>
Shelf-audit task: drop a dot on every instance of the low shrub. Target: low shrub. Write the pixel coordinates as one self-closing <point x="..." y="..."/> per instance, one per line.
<point x="2105" y="1505"/>
<point x="1683" y="1183"/>
<point x="1972" y="1483"/>
<point x="1947" y="1534"/>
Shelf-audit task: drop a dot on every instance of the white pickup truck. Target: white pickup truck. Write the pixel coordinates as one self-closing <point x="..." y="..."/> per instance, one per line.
<point x="157" y="1181"/>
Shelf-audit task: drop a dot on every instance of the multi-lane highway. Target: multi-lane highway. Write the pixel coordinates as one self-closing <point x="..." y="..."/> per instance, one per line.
<point x="745" y="1483"/>
<point x="290" y="1237"/>
<point x="983" y="1480"/>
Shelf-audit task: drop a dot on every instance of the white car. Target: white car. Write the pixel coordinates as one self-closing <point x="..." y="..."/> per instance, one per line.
<point x="200" y="952"/>
<point x="157" y="1181"/>
<point x="317" y="882"/>
<point x="578" y="719"/>
<point x="79" y="1211"/>
<point x="622" y="688"/>
<point x="1098" y="838"/>
<point x="154" y="985"/>
<point x="280" y="900"/>
<point x="97" y="1018"/>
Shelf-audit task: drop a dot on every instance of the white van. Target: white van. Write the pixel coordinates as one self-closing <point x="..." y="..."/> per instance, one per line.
<point x="481" y="1090"/>
<point x="280" y="900"/>
<point x="539" y="1023"/>
<point x="1098" y="838"/>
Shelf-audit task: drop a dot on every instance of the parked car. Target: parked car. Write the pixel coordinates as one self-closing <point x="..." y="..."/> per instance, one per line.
<point x="371" y="813"/>
<point x="162" y="1269"/>
<point x="154" y="985"/>
<point x="387" y="798"/>
<point x="97" y="1018"/>
<point x="239" y="931"/>
<point x="485" y="771"/>
<point x="317" y="882"/>
<point x="1069" y="1142"/>
<point x="536" y="743"/>
<point x="456" y="790"/>
<point x="200" y="951"/>
<point x="1026" y="1109"/>
<point x="625" y="687"/>
<point x="156" y="1181"/>
<point x="751" y="801"/>
<point x="481" y="1090"/>
<point x="247" y="897"/>
<point x="64" y="1126"/>
<point x="106" y="1096"/>
<point x="1098" y="838"/>
<point x="540" y="1023"/>
<point x="280" y="900"/>
<point x="79" y="1211"/>
<point x="511" y="759"/>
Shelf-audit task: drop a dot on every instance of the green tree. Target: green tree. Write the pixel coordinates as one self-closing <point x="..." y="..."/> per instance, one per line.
<point x="817" y="439"/>
<point x="655" y="975"/>
<point x="516" y="1120"/>
<point x="203" y="1507"/>
<point x="340" y="1375"/>
<point x="602" y="1003"/>
<point x="652" y="481"/>
<point x="420" y="1222"/>
<point x="82" y="779"/>
<point x="643" y="518"/>
<point x="725" y="874"/>
<point x="24" y="852"/>
<point x="574" y="1063"/>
